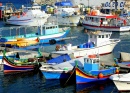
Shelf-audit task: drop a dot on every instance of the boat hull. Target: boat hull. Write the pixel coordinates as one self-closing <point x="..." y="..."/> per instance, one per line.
<point x="26" y="22"/>
<point x="121" y="81"/>
<point x="67" y="20"/>
<point x="106" y="28"/>
<point x="93" y="76"/>
<point x="102" y="50"/>
<point x="9" y="69"/>
<point x="122" y="86"/>
<point x="55" y="74"/>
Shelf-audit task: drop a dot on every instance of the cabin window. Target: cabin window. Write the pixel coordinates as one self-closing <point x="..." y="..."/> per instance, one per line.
<point x="92" y="19"/>
<point x="43" y="27"/>
<point x="97" y="20"/>
<point x="106" y="36"/>
<point x="86" y="18"/>
<point x="102" y="36"/>
<point x="99" y="36"/>
<point x="89" y="60"/>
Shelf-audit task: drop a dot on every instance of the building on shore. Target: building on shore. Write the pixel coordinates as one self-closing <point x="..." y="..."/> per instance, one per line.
<point x="106" y="4"/>
<point x="127" y="5"/>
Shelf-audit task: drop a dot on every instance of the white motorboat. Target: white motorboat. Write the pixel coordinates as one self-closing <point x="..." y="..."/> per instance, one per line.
<point x="104" y="22"/>
<point x="66" y="14"/>
<point x="98" y="43"/>
<point x="30" y="16"/>
<point x="122" y="81"/>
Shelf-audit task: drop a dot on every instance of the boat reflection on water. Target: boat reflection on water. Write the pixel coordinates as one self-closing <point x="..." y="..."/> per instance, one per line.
<point x="99" y="87"/>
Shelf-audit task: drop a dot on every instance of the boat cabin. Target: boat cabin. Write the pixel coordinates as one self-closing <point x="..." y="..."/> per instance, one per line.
<point x="64" y="8"/>
<point x="34" y="7"/>
<point x="99" y="38"/>
<point x="91" y="64"/>
<point x="48" y="29"/>
<point x="98" y="19"/>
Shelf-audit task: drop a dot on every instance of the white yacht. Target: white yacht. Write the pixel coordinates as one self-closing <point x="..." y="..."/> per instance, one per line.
<point x="98" y="43"/>
<point x="65" y="14"/>
<point x="30" y="16"/>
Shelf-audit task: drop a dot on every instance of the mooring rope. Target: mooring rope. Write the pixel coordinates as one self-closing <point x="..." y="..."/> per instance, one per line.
<point x="70" y="76"/>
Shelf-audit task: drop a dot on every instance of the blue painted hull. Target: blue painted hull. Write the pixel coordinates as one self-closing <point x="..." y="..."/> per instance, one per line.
<point x="13" y="67"/>
<point x="91" y="85"/>
<point x="55" y="36"/>
<point x="93" y="76"/>
<point x="55" y="75"/>
<point x="9" y="68"/>
<point x="81" y="80"/>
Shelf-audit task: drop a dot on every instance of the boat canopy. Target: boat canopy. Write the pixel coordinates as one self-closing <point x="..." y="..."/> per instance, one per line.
<point x="64" y="3"/>
<point x="60" y="59"/>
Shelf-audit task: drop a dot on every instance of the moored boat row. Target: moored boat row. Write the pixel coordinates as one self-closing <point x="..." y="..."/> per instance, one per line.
<point x="78" y="63"/>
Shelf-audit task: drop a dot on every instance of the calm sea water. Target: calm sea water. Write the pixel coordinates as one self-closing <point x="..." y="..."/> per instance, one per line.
<point x="36" y="83"/>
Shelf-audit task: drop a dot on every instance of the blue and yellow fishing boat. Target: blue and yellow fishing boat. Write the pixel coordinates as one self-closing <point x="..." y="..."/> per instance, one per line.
<point x="93" y="71"/>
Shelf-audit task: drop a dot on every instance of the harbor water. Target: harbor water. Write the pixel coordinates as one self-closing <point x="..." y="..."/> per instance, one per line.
<point x="36" y="83"/>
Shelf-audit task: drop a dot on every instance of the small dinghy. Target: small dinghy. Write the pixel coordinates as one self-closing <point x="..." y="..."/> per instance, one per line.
<point x="122" y="81"/>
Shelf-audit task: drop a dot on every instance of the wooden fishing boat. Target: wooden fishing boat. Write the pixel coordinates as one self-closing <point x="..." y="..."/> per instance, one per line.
<point x="17" y="65"/>
<point x="22" y="42"/>
<point x="93" y="71"/>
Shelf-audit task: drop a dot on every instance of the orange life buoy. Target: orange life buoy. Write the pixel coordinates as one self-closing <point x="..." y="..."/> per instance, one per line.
<point x="117" y="71"/>
<point x="100" y="75"/>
